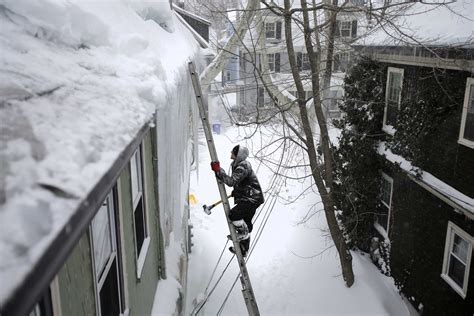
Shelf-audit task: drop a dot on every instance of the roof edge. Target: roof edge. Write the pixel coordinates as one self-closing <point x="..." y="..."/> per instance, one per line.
<point x="23" y="298"/>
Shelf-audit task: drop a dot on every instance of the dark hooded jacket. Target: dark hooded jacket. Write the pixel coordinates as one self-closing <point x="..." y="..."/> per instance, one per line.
<point x="243" y="179"/>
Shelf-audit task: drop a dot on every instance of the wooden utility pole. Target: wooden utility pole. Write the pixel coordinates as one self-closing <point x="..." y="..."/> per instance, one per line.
<point x="247" y="290"/>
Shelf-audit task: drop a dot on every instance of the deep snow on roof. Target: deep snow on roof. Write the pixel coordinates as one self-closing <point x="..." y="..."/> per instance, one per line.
<point x="432" y="24"/>
<point x="78" y="79"/>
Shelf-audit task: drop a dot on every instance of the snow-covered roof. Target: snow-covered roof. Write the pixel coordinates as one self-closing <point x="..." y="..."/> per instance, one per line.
<point x="439" y="23"/>
<point x="461" y="201"/>
<point x="79" y="80"/>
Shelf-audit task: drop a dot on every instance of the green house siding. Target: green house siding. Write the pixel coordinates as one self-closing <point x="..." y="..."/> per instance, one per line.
<point x="141" y="291"/>
<point x="418" y="236"/>
<point x="76" y="282"/>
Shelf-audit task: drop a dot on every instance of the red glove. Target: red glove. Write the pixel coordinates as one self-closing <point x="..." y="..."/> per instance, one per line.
<point x="215" y="166"/>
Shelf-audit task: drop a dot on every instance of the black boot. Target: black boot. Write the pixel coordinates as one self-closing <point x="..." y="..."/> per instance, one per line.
<point x="242" y="249"/>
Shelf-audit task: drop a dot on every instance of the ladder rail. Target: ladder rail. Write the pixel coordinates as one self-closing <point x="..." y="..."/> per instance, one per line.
<point x="247" y="290"/>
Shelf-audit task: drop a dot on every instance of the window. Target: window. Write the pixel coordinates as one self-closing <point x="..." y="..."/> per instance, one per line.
<point x="107" y="263"/>
<point x="273" y="30"/>
<point x="457" y="258"/>
<point x="466" y="135"/>
<point x="139" y="210"/>
<point x="302" y="61"/>
<point x="273" y="62"/>
<point x="346" y="29"/>
<point x="44" y="307"/>
<point x="261" y="97"/>
<point x="270" y="30"/>
<point x="386" y="189"/>
<point x="393" y="95"/>
<point x="305" y="60"/>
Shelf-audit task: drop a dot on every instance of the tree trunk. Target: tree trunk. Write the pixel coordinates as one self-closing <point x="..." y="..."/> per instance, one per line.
<point x="323" y="179"/>
<point x="216" y="66"/>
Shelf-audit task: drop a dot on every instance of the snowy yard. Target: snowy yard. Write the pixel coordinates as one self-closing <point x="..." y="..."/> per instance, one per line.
<point x="293" y="268"/>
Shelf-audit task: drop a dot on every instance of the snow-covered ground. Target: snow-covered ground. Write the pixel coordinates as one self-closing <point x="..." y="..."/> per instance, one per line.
<point x="294" y="268"/>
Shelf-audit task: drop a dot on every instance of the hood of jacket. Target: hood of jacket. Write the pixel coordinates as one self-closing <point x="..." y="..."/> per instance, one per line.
<point x="241" y="155"/>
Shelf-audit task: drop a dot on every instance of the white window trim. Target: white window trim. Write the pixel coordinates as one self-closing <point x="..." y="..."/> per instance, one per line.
<point x="389" y="179"/>
<point x="462" y="140"/>
<point x="389" y="129"/>
<point x="123" y="258"/>
<point x="453" y="228"/>
<point x="143" y="251"/>
<point x="142" y="257"/>
<point x="56" y="297"/>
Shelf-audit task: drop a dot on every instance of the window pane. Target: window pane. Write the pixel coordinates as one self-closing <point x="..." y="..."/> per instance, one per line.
<point x="270" y="30"/>
<point x="109" y="293"/>
<point x="139" y="226"/>
<point x="346" y="29"/>
<point x="460" y="248"/>
<point x="456" y="271"/>
<point x="101" y="236"/>
<point x="261" y="96"/>
<point x="271" y="62"/>
<point x="393" y="97"/>
<point x="469" y="125"/>
<point x="136" y="174"/>
<point x="386" y="191"/>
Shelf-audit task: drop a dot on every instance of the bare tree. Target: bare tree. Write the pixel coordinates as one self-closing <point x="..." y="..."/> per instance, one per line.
<point x="305" y="120"/>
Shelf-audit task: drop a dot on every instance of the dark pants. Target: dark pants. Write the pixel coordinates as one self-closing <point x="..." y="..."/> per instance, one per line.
<point x="245" y="211"/>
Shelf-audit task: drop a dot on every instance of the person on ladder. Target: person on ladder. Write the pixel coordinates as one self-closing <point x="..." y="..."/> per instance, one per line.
<point x="247" y="193"/>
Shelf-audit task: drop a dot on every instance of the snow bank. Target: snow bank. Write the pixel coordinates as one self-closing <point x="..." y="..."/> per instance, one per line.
<point x="78" y="79"/>
<point x="294" y="266"/>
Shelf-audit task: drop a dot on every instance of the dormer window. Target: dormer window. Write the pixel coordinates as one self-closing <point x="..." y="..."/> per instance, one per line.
<point x="273" y="30"/>
<point x="347" y="29"/>
<point x="466" y="134"/>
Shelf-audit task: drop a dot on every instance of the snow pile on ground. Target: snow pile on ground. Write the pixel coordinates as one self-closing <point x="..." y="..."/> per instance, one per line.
<point x="168" y="290"/>
<point x="78" y="79"/>
<point x="294" y="268"/>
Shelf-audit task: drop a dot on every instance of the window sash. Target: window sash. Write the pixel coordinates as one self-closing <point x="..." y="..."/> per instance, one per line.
<point x="103" y="235"/>
<point x="271" y="61"/>
<point x="346" y="28"/>
<point x="136" y="176"/>
<point x="392" y="96"/>
<point x="270" y="30"/>
<point x="457" y="258"/>
<point x="386" y="191"/>
<point x="457" y="266"/>
<point x="466" y="135"/>
<point x="305" y="62"/>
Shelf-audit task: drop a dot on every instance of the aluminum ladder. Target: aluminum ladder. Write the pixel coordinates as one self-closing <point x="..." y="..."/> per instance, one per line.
<point x="247" y="290"/>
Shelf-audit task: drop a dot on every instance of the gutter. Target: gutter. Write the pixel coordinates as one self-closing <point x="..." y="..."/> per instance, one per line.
<point x="457" y="208"/>
<point x="22" y="300"/>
